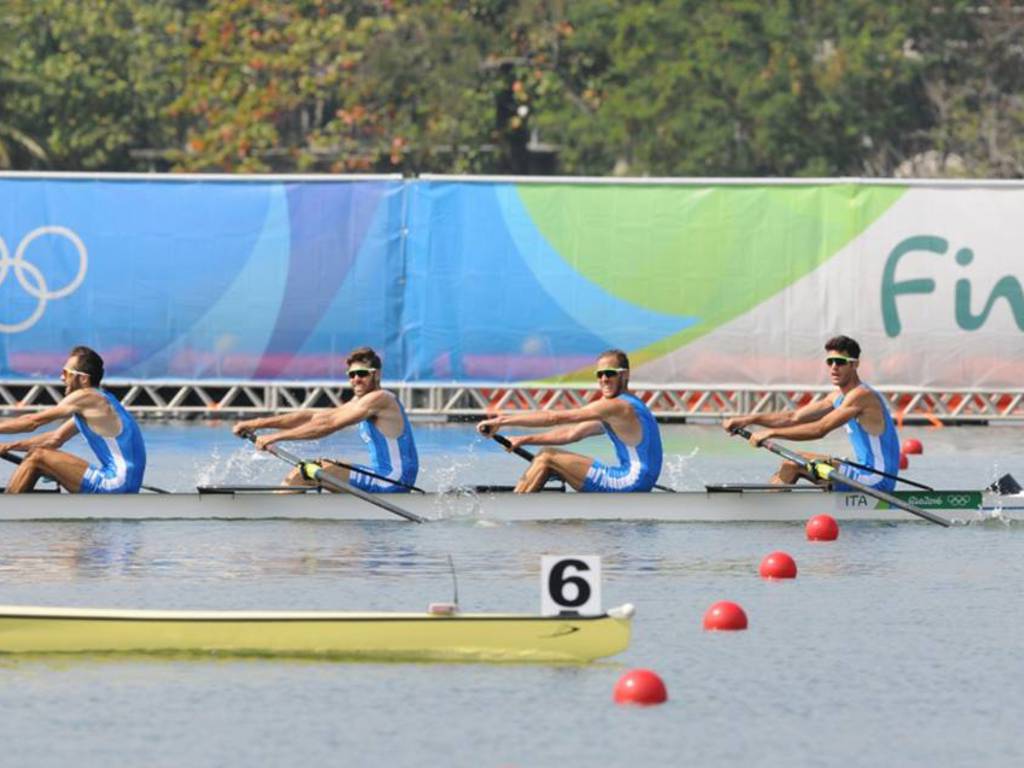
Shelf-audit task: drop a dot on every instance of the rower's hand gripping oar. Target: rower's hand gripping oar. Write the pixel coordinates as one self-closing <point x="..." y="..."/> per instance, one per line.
<point x="505" y="443"/>
<point x="313" y="471"/>
<point x="16" y="459"/>
<point x="825" y="471"/>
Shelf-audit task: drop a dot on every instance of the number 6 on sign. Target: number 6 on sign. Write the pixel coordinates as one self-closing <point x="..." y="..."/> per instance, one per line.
<point x="570" y="584"/>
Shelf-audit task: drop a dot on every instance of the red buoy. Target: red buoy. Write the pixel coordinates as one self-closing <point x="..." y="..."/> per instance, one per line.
<point x="822" y="528"/>
<point x="640" y="686"/>
<point x="912" y="445"/>
<point x="724" y="615"/>
<point x="904" y="461"/>
<point x="778" y="565"/>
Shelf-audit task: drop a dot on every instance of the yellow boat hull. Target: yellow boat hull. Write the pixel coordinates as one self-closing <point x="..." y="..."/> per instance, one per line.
<point x="345" y="636"/>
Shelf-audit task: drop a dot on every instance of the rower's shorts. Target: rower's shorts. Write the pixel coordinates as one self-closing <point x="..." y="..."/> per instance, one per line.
<point x="879" y="483"/>
<point x="623" y="479"/>
<point x="372" y="484"/>
<point x="107" y="480"/>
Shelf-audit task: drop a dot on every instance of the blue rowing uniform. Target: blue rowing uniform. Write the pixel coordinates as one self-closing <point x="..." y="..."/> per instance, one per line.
<point x="122" y="459"/>
<point x="639" y="465"/>
<point x="881" y="452"/>
<point x="393" y="457"/>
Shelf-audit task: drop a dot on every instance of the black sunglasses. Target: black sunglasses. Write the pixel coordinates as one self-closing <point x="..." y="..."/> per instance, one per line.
<point x="360" y="373"/>
<point x="609" y="373"/>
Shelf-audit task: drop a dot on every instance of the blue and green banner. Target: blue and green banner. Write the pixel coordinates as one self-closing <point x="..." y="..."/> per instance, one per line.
<point x="199" y="280"/>
<point x="508" y="281"/>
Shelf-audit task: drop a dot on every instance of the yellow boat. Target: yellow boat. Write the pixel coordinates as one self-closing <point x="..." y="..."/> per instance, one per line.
<point x="436" y="635"/>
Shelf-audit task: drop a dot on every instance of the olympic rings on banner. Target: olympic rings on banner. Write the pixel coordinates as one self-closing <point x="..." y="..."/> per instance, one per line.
<point x="31" y="277"/>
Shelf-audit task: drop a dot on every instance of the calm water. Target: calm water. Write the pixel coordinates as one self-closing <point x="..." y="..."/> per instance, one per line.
<point x="897" y="644"/>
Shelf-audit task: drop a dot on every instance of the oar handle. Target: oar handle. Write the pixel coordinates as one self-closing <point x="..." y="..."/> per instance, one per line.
<point x="505" y="443"/>
<point x="274" y="450"/>
<point x="797" y="458"/>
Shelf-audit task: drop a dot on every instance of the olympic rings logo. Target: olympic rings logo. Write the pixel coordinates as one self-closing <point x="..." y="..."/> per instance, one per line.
<point x="958" y="500"/>
<point x="31" y="277"/>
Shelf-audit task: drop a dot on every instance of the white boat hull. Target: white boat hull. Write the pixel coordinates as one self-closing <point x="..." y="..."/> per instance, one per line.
<point x="690" y="506"/>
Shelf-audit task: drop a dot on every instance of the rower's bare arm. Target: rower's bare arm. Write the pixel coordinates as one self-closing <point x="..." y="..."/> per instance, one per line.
<point x="781" y="419"/>
<point x="74" y="403"/>
<point x="815" y="430"/>
<point x="281" y="421"/>
<point x="571" y="433"/>
<point x="323" y="423"/>
<point x="599" y="410"/>
<point x="53" y="439"/>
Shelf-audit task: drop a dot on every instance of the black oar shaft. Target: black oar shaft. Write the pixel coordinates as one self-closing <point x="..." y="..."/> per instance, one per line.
<point x="519" y="451"/>
<point x="825" y="471"/>
<point x="335" y="484"/>
<point x="879" y="472"/>
<point x="368" y="473"/>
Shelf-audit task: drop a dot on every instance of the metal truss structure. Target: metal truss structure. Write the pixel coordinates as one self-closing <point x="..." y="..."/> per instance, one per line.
<point x="678" y="402"/>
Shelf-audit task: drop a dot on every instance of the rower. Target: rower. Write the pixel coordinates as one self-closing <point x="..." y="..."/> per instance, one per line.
<point x="860" y="407"/>
<point x="111" y="432"/>
<point x="626" y="420"/>
<point x="383" y="426"/>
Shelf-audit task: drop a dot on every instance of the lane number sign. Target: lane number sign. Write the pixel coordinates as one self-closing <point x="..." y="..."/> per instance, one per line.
<point x="570" y="584"/>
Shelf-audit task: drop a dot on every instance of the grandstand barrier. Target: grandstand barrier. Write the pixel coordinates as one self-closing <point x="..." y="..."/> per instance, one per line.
<point x="696" y="403"/>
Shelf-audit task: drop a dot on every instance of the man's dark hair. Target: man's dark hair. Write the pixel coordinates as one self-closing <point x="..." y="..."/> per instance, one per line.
<point x="844" y="345"/>
<point x="621" y="360"/>
<point x="364" y="355"/>
<point x="88" y="361"/>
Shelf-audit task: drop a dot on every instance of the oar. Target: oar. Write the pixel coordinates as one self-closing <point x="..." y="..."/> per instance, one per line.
<point x="825" y="471"/>
<point x="315" y="472"/>
<point x="505" y="443"/>
<point x="368" y="473"/>
<point x="879" y="472"/>
<point x="15" y="459"/>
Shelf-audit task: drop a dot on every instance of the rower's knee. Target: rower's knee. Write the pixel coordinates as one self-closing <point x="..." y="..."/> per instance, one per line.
<point x="789" y="471"/>
<point x="546" y="457"/>
<point x="40" y="457"/>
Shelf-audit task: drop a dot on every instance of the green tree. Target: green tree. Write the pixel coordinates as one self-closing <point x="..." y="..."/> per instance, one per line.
<point x="739" y="87"/>
<point x="14" y="141"/>
<point x="88" y="79"/>
<point x="339" y="86"/>
<point x="640" y="87"/>
<point x="974" y="83"/>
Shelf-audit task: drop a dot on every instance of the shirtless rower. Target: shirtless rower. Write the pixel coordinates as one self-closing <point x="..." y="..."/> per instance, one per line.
<point x="111" y="432"/>
<point x="869" y="424"/>
<point x="626" y="420"/>
<point x="383" y="426"/>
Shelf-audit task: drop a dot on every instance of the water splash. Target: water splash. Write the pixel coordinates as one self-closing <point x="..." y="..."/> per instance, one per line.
<point x="457" y="473"/>
<point x="241" y="466"/>
<point x="678" y="472"/>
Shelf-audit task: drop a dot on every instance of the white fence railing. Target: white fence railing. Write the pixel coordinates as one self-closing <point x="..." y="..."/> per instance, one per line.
<point x="676" y="402"/>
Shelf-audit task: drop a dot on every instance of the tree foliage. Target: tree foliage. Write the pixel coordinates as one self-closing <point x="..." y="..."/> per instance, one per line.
<point x="87" y="81"/>
<point x="640" y="87"/>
